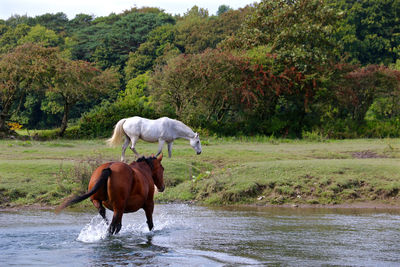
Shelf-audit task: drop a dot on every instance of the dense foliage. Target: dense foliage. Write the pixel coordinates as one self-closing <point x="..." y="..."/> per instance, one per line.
<point x="277" y="67"/>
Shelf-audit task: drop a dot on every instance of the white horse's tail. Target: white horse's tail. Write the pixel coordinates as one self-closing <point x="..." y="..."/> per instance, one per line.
<point x="118" y="133"/>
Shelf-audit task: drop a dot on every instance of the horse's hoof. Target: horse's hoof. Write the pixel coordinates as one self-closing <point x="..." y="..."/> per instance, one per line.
<point x="114" y="229"/>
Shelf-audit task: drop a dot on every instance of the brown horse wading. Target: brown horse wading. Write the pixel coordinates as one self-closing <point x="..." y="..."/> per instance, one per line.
<point x="124" y="188"/>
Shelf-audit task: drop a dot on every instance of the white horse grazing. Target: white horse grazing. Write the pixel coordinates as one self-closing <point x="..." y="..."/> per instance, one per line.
<point x="161" y="130"/>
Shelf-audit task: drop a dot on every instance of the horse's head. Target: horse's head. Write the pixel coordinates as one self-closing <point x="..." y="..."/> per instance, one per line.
<point x="157" y="170"/>
<point x="195" y="143"/>
<point x="158" y="173"/>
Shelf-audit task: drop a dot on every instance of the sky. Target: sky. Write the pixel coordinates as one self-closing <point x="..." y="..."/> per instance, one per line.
<point x="100" y="8"/>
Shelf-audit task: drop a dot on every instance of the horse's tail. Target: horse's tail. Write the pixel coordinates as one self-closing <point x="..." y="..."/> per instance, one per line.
<point x="105" y="173"/>
<point x="117" y="134"/>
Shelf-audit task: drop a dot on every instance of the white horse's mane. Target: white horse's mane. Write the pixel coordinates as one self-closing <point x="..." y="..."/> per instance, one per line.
<point x="186" y="130"/>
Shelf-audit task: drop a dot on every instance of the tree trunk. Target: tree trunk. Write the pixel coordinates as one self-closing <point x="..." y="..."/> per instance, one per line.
<point x="64" y="121"/>
<point x="3" y="118"/>
<point x="3" y="123"/>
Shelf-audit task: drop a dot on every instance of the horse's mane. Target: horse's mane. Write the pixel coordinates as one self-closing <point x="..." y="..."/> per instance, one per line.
<point x="148" y="160"/>
<point x="184" y="126"/>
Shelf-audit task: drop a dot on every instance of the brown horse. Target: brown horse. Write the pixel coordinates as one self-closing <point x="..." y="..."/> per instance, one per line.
<point x="124" y="188"/>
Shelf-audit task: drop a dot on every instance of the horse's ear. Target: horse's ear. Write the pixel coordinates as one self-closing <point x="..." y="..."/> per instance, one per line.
<point x="159" y="158"/>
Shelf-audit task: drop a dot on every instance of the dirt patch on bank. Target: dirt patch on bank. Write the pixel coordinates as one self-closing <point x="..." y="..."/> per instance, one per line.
<point x="360" y="205"/>
<point x="367" y="154"/>
<point x="26" y="207"/>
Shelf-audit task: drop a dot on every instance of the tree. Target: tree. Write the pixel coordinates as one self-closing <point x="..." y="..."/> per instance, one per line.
<point x="3" y="29"/>
<point x="39" y="34"/>
<point x="222" y="9"/>
<point x="159" y="43"/>
<point x="363" y="86"/>
<point x="79" y="80"/>
<point x="221" y="91"/>
<point x="9" y="39"/>
<point x="28" y="67"/>
<point x="193" y="33"/>
<point x="80" y="21"/>
<point x="203" y="89"/>
<point x="370" y="31"/>
<point x="197" y="31"/>
<point x="109" y="41"/>
<point x="55" y="22"/>
<point x="299" y="35"/>
<point x="16" y="19"/>
<point x="134" y="100"/>
<point x="298" y="32"/>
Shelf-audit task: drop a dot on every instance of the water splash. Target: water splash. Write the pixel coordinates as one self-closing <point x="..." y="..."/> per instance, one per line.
<point x="138" y="226"/>
<point x="134" y="228"/>
<point x="94" y="231"/>
<point x="132" y="224"/>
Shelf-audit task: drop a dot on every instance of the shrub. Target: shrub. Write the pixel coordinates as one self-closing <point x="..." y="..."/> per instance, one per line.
<point x="99" y="122"/>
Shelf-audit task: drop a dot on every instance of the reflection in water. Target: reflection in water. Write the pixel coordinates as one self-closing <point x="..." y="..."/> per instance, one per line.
<point x="198" y="236"/>
<point x="122" y="250"/>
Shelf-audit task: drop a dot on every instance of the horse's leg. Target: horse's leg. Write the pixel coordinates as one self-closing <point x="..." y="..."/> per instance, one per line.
<point x="160" y="146"/>
<point x="134" y="140"/>
<point x="115" y="225"/>
<point x="102" y="212"/>
<point x="124" y="146"/>
<point x="148" y="209"/>
<point x="100" y="208"/>
<point x="169" y="149"/>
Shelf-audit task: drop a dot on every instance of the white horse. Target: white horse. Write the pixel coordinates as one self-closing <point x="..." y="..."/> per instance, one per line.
<point x="161" y="130"/>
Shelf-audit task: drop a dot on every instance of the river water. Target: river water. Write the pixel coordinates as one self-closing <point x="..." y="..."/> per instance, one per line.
<point x="186" y="235"/>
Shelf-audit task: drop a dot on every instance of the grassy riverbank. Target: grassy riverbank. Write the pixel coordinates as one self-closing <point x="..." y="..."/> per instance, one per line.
<point x="229" y="171"/>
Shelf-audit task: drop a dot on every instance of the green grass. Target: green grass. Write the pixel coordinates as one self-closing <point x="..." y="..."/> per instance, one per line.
<point x="246" y="170"/>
